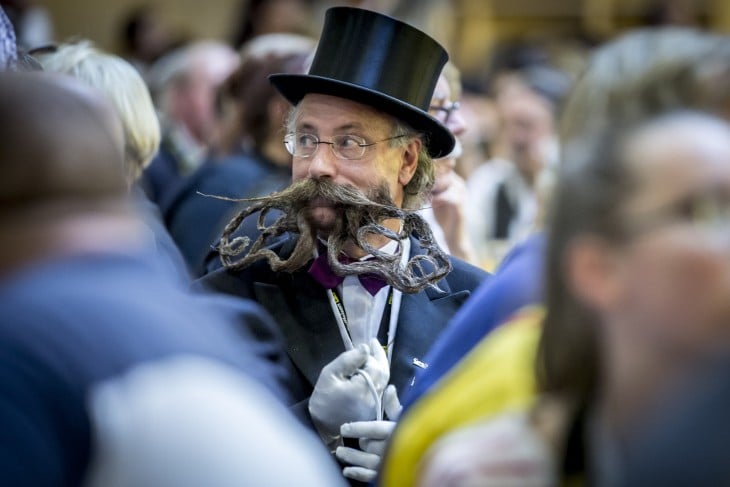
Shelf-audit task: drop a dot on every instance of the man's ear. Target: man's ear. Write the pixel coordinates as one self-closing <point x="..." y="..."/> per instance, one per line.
<point x="593" y="272"/>
<point x="409" y="161"/>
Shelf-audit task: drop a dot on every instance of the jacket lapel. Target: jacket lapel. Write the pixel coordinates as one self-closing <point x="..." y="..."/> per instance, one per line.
<point x="422" y="318"/>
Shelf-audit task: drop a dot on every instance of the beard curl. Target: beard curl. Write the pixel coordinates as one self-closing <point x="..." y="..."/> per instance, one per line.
<point x="359" y="220"/>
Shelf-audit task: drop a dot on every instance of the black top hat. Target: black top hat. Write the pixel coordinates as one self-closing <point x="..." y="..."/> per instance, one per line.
<point x="379" y="61"/>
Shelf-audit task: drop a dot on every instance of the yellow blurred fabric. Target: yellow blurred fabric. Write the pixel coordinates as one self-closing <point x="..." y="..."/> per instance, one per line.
<point x="496" y="376"/>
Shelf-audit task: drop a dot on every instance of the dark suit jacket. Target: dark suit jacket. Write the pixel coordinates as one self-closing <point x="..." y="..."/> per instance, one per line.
<point x="300" y="307"/>
<point x="162" y="175"/>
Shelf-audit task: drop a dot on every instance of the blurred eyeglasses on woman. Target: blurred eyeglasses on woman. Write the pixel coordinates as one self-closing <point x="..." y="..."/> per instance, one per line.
<point x="705" y="211"/>
<point x="443" y="112"/>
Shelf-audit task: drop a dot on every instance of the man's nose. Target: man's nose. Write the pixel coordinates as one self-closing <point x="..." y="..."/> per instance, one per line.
<point x="323" y="163"/>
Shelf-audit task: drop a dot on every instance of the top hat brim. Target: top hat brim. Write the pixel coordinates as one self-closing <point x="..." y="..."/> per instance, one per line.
<point x="439" y="139"/>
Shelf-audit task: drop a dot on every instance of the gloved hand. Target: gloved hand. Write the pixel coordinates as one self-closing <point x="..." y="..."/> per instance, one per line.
<point x="373" y="438"/>
<point x="349" y="389"/>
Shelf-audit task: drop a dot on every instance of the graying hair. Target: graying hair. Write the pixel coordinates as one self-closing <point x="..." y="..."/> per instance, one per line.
<point x="124" y="87"/>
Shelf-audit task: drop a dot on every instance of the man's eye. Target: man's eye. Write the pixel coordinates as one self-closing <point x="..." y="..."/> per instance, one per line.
<point x="306" y="141"/>
<point x="349" y="142"/>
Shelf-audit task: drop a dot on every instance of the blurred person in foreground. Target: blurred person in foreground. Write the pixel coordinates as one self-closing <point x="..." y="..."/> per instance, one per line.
<point x="362" y="143"/>
<point x="184" y="85"/>
<point x="685" y="442"/>
<point x="129" y="95"/>
<point x="659" y="71"/>
<point x="108" y="376"/>
<point x="637" y="297"/>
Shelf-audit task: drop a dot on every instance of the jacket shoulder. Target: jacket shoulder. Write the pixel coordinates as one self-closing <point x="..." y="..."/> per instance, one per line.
<point x="240" y="282"/>
<point x="465" y="276"/>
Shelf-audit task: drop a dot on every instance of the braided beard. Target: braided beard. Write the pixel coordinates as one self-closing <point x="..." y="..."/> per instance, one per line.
<point x="359" y="218"/>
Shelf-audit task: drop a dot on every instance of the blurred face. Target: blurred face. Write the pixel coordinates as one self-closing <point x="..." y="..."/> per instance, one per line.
<point x="446" y="111"/>
<point x="673" y="279"/>
<point x="196" y="100"/>
<point x="526" y="127"/>
<point x="382" y="164"/>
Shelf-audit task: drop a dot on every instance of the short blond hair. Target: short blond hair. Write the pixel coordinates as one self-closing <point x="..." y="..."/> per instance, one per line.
<point x="126" y="90"/>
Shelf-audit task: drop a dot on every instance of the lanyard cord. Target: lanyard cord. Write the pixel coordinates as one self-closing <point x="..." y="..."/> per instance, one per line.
<point x="374" y="392"/>
<point x="392" y="303"/>
<point x="338" y="309"/>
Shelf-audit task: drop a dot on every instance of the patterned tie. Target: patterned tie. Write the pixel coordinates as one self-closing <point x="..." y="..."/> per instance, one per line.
<point x="321" y="271"/>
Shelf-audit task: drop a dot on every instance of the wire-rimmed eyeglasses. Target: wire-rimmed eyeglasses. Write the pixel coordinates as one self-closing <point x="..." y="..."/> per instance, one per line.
<point x="706" y="210"/>
<point x="345" y="146"/>
<point x="444" y="111"/>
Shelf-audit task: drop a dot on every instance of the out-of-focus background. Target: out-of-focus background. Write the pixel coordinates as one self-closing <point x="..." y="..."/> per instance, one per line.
<point x="470" y="29"/>
<point x="509" y="135"/>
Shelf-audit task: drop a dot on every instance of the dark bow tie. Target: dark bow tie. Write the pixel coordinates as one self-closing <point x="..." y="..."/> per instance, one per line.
<point x="321" y="271"/>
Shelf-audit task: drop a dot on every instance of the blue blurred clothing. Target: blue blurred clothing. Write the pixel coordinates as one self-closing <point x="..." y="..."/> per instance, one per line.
<point x="177" y="158"/>
<point x="161" y="177"/>
<point x="71" y="324"/>
<point x="518" y="283"/>
<point x="685" y="440"/>
<point x="165" y="250"/>
<point x="196" y="221"/>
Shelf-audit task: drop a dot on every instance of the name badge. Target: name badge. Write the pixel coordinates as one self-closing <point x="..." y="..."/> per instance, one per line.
<point x="420" y="364"/>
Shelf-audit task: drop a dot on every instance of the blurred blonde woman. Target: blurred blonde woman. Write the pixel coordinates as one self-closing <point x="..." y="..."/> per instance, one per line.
<point x="124" y="87"/>
<point x="127" y="92"/>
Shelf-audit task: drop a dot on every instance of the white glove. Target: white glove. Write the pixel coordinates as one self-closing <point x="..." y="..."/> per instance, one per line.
<point x="373" y="438"/>
<point x="349" y="389"/>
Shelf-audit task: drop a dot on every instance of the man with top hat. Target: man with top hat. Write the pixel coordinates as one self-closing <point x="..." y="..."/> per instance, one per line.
<point x="357" y="284"/>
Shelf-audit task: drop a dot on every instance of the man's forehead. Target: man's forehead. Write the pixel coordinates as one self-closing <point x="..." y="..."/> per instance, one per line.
<point x="319" y="109"/>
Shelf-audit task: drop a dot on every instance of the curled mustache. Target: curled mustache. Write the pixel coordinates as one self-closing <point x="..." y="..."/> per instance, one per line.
<point x="360" y="218"/>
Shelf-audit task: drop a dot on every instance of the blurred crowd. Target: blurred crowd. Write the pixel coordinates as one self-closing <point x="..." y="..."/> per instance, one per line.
<point x="553" y="242"/>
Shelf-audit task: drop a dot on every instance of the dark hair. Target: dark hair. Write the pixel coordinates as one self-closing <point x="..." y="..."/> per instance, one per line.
<point x="550" y="83"/>
<point x="593" y="180"/>
<point x="134" y="24"/>
<point x="250" y="12"/>
<point x="515" y="55"/>
<point x="249" y="88"/>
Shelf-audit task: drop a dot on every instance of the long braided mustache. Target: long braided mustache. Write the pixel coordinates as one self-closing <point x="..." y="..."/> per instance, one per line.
<point x="359" y="219"/>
